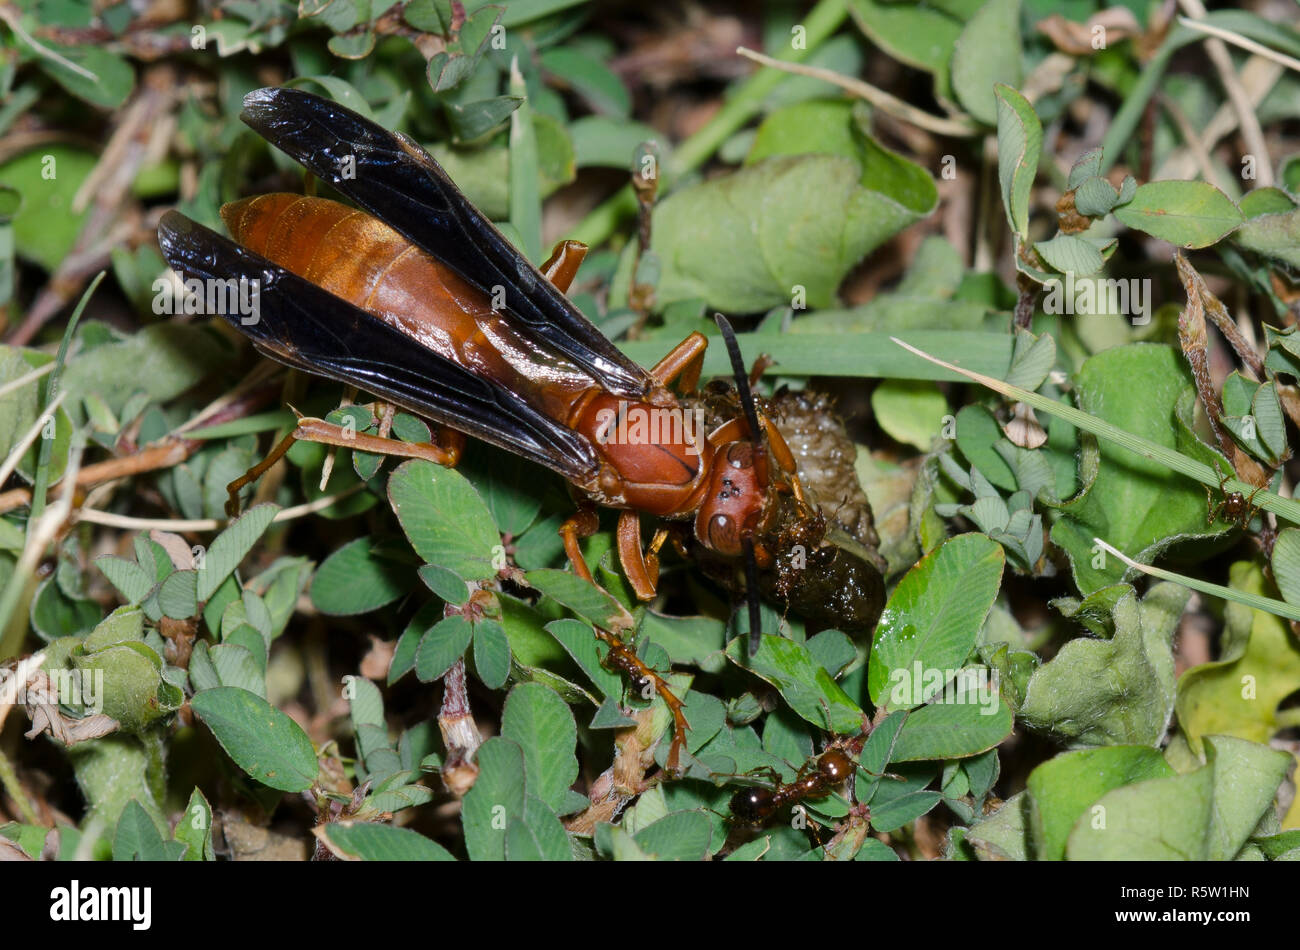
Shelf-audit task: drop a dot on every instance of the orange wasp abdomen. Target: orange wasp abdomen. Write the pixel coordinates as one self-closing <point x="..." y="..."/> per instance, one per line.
<point x="362" y="260"/>
<point x="655" y="459"/>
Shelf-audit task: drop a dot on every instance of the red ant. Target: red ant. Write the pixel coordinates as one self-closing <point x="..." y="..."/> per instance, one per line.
<point x="621" y="658"/>
<point x="1236" y="507"/>
<point x="816" y="779"/>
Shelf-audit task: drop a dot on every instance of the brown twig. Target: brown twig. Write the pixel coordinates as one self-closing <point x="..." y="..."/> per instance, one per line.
<point x="460" y="733"/>
<point x="1029" y="289"/>
<point x="164" y="453"/>
<point x="957" y="127"/>
<point x="1193" y="339"/>
<point x="1218" y="313"/>
<point x="1251" y="131"/>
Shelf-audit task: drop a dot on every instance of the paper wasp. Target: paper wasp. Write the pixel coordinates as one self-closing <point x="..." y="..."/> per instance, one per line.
<point x="420" y="301"/>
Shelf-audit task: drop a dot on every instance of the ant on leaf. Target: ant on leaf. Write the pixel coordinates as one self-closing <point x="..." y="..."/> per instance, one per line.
<point x="1235" y="507"/>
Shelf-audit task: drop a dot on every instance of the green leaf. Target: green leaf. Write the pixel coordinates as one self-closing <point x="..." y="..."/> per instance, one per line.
<point x="1133" y="504"/>
<point x="236" y="665"/>
<point x="358" y="578"/>
<point x="1286" y="564"/>
<point x="1276" y="236"/>
<point x="1161" y="819"/>
<point x="933" y="619"/>
<point x="194" y="829"/>
<point x="491" y="654"/>
<point x="123" y="625"/>
<point x="231" y="546"/>
<point x="538" y="836"/>
<point x="366" y="704"/>
<point x="261" y="740"/>
<point x="801" y="681"/>
<point x="1032" y="361"/>
<point x="161" y="361"/>
<point x="987" y="55"/>
<point x="1188" y="214"/>
<point x="1062" y="788"/>
<point x="1247" y="776"/>
<point x="509" y="486"/>
<point x="137" y="838"/>
<point x="1112" y="692"/>
<point x="582" y="597"/>
<point x="679" y="836"/>
<point x="976" y="720"/>
<point x="1020" y="144"/>
<point x="1086" y="166"/>
<point x="450" y="67"/>
<point x="977" y="432"/>
<point x="579" y="640"/>
<point x="1269" y="423"/>
<point x="176" y="595"/>
<point x="1259" y="667"/>
<point x="1069" y="253"/>
<point x="371" y="841"/>
<point x="45" y="227"/>
<point x="103" y="78"/>
<point x="133" y="691"/>
<point x="54" y="614"/>
<point x="786" y="229"/>
<point x="444" y="518"/>
<point x="895" y="803"/>
<point x="473" y="120"/>
<point x="918" y="35"/>
<point x="498" y="795"/>
<point x="816" y="127"/>
<point x="590" y="78"/>
<point x="441" y="646"/>
<point x="910" y="411"/>
<point x="1095" y="197"/>
<point x="608" y="143"/>
<point x="131" y="580"/>
<point x="1003" y="835"/>
<point x="543" y="726"/>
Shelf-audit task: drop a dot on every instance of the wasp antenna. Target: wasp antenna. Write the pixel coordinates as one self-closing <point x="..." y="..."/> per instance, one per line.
<point x="742" y="377"/>
<point x="751" y="594"/>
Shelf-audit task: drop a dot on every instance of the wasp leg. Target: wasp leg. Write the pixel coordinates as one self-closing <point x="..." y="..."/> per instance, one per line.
<point x="327" y="467"/>
<point x="640" y="567"/>
<point x="733" y="430"/>
<point x="562" y="266"/>
<point x="583" y="524"/>
<point x="309" y="429"/>
<point x="683" y="363"/>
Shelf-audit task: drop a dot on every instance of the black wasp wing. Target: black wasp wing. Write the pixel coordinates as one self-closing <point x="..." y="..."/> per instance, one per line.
<point x="397" y="181"/>
<point x="307" y="327"/>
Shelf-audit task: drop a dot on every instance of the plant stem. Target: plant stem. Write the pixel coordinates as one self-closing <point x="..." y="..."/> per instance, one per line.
<point x="42" y="481"/>
<point x="1283" y="507"/>
<point x="1267" y="604"/>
